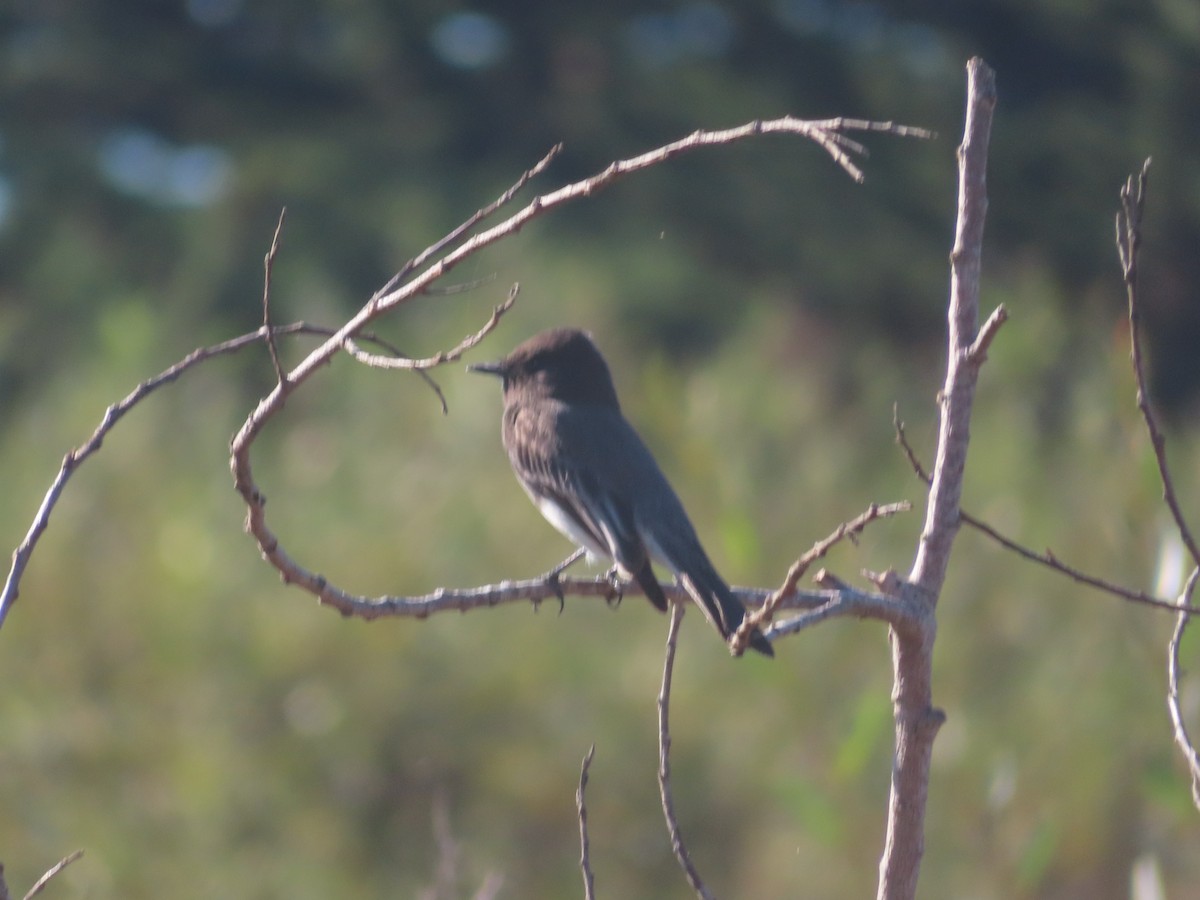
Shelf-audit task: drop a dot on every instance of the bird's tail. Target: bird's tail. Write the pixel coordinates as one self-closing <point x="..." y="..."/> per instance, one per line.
<point x="720" y="607"/>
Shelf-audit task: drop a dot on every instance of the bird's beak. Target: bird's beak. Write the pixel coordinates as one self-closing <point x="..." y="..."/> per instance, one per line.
<point x="488" y="368"/>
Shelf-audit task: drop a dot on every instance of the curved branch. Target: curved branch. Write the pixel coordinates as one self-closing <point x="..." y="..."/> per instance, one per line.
<point x="828" y="134"/>
<point x="664" y="760"/>
<point x="403" y="362"/>
<point x="1182" y="738"/>
<point x="113" y="414"/>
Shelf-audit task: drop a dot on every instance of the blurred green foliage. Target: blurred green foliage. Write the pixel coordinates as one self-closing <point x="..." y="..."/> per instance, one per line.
<point x="202" y="730"/>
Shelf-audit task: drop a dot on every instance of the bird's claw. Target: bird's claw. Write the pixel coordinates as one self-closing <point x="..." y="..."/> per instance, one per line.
<point x="616" y="587"/>
<point x="551" y="578"/>
<point x="556" y="586"/>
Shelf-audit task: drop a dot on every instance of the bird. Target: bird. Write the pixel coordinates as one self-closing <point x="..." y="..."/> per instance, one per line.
<point x="592" y="477"/>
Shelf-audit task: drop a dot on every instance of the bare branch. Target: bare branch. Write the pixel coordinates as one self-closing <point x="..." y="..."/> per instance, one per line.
<point x="445" y="882"/>
<point x="1048" y="558"/>
<point x="844" y="601"/>
<point x="917" y="721"/>
<point x="585" y="864"/>
<point x="454" y="236"/>
<point x="762" y="617"/>
<point x="534" y="590"/>
<point x="490" y="889"/>
<point x="942" y="514"/>
<point x="442" y="357"/>
<point x="979" y="347"/>
<point x="268" y="267"/>
<point x="41" y="883"/>
<point x="113" y="414"/>
<point x="1129" y="240"/>
<point x="828" y="134"/>
<point x="1182" y="738"/>
<point x="664" y="760"/>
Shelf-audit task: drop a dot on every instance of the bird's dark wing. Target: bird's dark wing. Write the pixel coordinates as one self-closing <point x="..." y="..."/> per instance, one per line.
<point x="555" y="466"/>
<point x="617" y="456"/>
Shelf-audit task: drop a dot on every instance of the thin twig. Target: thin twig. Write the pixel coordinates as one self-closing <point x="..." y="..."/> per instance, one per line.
<point x="842" y="601"/>
<point x="1047" y="558"/>
<point x="490" y="889"/>
<point x="41" y="883"/>
<point x="442" y="357"/>
<point x="664" y="760"/>
<point x="75" y="458"/>
<point x="1129" y="240"/>
<point x="445" y="883"/>
<point x="1182" y="738"/>
<point x="268" y="266"/>
<point x="585" y="863"/>
<point x="827" y="134"/>
<point x="402" y="288"/>
<point x="979" y="347"/>
<point x="478" y="216"/>
<point x="761" y="617"/>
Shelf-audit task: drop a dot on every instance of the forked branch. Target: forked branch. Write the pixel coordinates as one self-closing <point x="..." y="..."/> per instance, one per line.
<point x="412" y="281"/>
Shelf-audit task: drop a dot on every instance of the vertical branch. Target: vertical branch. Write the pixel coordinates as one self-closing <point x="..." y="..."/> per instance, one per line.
<point x="1129" y="242"/>
<point x="268" y="266"/>
<point x="917" y="721"/>
<point x="962" y="365"/>
<point x="1182" y="738"/>
<point x="664" y="760"/>
<point x="585" y="864"/>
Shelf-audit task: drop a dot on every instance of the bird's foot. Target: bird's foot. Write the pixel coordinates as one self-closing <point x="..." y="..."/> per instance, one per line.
<point x="616" y="587"/>
<point x="552" y="579"/>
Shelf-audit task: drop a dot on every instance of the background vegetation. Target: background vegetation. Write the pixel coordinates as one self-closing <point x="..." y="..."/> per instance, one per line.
<point x="203" y="731"/>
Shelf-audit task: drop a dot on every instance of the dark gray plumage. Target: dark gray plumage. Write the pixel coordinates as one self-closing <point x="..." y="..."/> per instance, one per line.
<point x="593" y="478"/>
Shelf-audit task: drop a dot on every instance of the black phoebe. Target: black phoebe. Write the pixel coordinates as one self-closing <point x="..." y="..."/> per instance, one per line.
<point x="593" y="479"/>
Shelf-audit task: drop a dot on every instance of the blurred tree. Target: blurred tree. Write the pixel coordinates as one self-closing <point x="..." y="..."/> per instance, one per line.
<point x="171" y="708"/>
<point x="145" y="145"/>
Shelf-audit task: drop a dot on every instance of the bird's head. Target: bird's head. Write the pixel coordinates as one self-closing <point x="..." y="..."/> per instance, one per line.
<point x="561" y="364"/>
